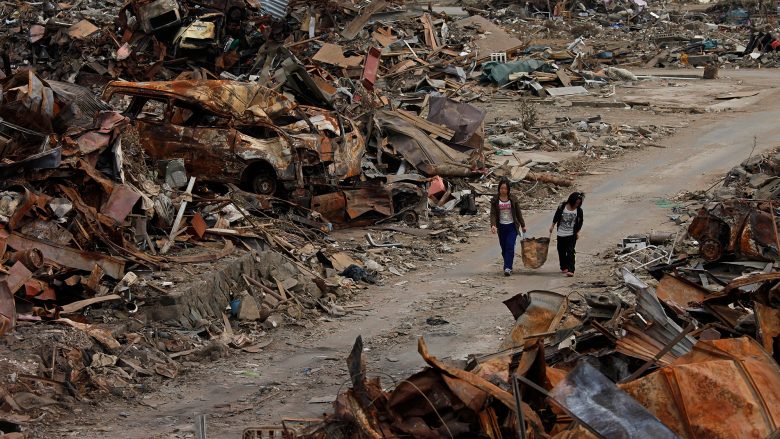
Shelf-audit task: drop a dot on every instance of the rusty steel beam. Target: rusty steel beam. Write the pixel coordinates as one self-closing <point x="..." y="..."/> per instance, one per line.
<point x="69" y="257"/>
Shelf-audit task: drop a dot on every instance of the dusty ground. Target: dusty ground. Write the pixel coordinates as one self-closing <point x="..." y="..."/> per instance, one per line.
<point x="465" y="288"/>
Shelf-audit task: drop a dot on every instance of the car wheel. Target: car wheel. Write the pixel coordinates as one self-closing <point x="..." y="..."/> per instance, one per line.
<point x="264" y="184"/>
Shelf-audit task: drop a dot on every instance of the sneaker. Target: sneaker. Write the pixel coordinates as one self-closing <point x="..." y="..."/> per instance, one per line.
<point x="507" y="272"/>
<point x="569" y="274"/>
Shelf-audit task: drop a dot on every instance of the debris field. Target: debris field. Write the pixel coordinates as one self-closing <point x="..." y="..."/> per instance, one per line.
<point x="180" y="179"/>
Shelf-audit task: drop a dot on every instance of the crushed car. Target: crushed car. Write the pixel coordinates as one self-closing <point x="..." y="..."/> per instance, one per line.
<point x="241" y="133"/>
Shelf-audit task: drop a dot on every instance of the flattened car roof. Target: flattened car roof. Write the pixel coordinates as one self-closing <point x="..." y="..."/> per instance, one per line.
<point x="228" y="98"/>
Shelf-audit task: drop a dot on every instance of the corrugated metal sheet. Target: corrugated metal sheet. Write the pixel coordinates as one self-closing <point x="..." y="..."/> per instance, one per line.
<point x="81" y="97"/>
<point x="277" y="8"/>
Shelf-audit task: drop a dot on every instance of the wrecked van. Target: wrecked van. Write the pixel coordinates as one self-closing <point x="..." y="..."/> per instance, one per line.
<point x="240" y="133"/>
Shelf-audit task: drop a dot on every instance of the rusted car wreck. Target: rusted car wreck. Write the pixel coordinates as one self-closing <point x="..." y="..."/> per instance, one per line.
<point x="249" y="135"/>
<point x="241" y="133"/>
<point x="740" y="228"/>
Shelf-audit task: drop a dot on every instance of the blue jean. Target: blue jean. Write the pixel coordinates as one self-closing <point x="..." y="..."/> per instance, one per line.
<point x="507" y="237"/>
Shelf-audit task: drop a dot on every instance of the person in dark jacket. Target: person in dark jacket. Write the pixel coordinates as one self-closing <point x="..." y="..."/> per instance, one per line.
<point x="568" y="217"/>
<point x="506" y="219"/>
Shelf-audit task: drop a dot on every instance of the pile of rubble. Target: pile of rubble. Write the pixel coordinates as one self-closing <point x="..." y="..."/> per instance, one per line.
<point x="644" y="34"/>
<point x="189" y="209"/>
<point x="694" y="316"/>
<point x="595" y="366"/>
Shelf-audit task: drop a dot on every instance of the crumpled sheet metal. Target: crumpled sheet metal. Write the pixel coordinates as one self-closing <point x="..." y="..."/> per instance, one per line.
<point x="240" y="100"/>
<point x="467" y="120"/>
<point x="604" y="408"/>
<point x="49" y="159"/>
<point x="444" y="395"/>
<point x="32" y="91"/>
<point x="680" y="291"/>
<point x="535" y="313"/>
<point x="362" y="201"/>
<point x="429" y="156"/>
<point x="643" y="338"/>
<point x="120" y="203"/>
<point x="464" y="383"/>
<point x="344" y="206"/>
<point x="723" y="389"/>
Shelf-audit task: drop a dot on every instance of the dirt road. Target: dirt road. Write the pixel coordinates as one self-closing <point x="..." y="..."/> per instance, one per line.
<point x="465" y="289"/>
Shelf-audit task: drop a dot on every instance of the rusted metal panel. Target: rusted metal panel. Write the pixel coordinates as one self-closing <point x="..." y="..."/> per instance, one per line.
<point x="120" y="203"/>
<point x="370" y="67"/>
<point x="332" y="206"/>
<point x="17" y="277"/>
<point x="539" y="312"/>
<point x="750" y="279"/>
<point x="69" y="257"/>
<point x="768" y="322"/>
<point x="680" y="292"/>
<point x="206" y="152"/>
<point x="723" y="389"/>
<point x="638" y="344"/>
<point x="362" y="201"/>
<point x="348" y="155"/>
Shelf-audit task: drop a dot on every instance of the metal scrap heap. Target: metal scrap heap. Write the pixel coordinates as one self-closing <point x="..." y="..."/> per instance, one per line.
<point x="687" y="345"/>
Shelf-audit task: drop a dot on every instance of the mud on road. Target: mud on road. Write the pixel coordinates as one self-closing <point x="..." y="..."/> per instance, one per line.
<point x="303" y="368"/>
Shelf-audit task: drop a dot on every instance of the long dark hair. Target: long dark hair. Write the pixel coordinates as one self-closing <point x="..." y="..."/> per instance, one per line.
<point x="574" y="197"/>
<point x="508" y="187"/>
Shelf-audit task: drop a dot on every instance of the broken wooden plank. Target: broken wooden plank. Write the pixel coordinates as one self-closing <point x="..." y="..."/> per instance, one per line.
<point x="548" y="177"/>
<point x="662" y="54"/>
<point x="177" y="221"/>
<point x="427" y="126"/>
<point x="430" y="35"/>
<point x="355" y="26"/>
<point x="79" y="305"/>
<point x="231" y="232"/>
<point x="411" y="231"/>
<point x="565" y="80"/>
<point x="333" y="54"/>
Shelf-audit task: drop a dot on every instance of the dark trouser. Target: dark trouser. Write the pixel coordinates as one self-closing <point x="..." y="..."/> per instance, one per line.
<point x="507" y="236"/>
<point x="566" y="252"/>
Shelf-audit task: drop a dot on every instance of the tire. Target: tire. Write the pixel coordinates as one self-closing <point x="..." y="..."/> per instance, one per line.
<point x="263" y="184"/>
